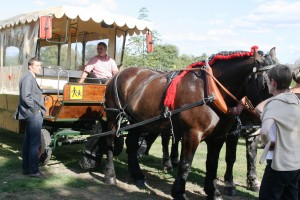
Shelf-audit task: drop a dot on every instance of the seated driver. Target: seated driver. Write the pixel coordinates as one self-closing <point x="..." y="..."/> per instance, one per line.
<point x="101" y="66"/>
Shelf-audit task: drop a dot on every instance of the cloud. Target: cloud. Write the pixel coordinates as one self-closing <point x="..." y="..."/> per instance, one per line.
<point x="223" y="32"/>
<point x="192" y="36"/>
<point x="276" y="14"/>
<point x="39" y="3"/>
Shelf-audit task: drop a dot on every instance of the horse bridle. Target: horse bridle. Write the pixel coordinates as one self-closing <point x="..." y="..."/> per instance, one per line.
<point x="259" y="72"/>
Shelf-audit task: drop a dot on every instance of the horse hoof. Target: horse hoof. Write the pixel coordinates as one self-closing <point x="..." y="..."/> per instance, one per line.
<point x="168" y="168"/>
<point x="175" y="164"/>
<point x="180" y="197"/>
<point x="215" y="197"/>
<point x="254" y="186"/>
<point x="230" y="191"/>
<point x="229" y="188"/>
<point x="218" y="198"/>
<point x="110" y="180"/>
<point x="141" y="184"/>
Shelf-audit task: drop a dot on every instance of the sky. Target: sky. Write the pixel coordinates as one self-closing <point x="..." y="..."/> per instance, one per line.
<point x="198" y="27"/>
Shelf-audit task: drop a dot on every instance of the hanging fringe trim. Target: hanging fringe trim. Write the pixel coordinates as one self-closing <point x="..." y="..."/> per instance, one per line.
<point x="171" y="92"/>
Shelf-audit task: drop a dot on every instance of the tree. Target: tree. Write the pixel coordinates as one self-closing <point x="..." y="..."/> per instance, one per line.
<point x="143" y="13"/>
<point x="184" y="60"/>
<point x="164" y="57"/>
<point x="136" y="48"/>
<point x="48" y="55"/>
<point x="90" y="51"/>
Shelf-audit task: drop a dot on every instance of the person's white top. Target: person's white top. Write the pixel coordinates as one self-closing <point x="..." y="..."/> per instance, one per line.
<point x="272" y="135"/>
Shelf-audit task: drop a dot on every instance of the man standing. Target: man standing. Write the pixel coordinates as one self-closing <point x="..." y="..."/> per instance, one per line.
<point x="31" y="109"/>
<point x="102" y="66"/>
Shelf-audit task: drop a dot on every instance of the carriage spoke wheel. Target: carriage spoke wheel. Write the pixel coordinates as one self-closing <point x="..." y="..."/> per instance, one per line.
<point x="45" y="151"/>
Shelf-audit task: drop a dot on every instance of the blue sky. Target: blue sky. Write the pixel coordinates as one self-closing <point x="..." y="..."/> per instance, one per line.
<point x="198" y="27"/>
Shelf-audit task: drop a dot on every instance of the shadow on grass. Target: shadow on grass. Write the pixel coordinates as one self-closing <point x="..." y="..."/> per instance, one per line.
<point x="150" y="165"/>
<point x="77" y="187"/>
<point x="14" y="185"/>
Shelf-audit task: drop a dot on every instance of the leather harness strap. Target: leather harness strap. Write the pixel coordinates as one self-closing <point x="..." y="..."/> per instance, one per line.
<point x="219" y="100"/>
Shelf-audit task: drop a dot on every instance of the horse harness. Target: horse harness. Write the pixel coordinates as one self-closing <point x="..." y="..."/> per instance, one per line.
<point x="122" y="116"/>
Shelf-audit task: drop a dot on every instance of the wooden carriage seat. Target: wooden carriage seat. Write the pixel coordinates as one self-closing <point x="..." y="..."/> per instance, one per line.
<point x="77" y="102"/>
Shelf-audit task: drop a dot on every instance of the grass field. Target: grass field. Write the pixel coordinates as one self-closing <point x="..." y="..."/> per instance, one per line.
<point x="66" y="180"/>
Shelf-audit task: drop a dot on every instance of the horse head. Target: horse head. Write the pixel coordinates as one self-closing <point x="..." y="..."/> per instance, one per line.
<point x="256" y="87"/>
<point x="233" y="70"/>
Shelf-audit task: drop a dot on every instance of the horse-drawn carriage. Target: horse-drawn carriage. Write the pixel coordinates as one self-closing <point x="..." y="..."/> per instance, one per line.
<point x="64" y="38"/>
<point x="73" y="108"/>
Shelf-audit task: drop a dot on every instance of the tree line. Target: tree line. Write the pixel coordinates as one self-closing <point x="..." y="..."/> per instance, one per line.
<point x="164" y="57"/>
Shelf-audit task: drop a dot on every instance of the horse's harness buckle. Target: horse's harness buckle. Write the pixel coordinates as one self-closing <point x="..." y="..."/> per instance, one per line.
<point x="120" y="118"/>
<point x="167" y="113"/>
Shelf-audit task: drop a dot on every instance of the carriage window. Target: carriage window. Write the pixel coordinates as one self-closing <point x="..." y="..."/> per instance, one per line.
<point x="119" y="49"/>
<point x="12" y="55"/>
<point x="48" y="56"/>
<point x="76" y="56"/>
<point x="91" y="49"/>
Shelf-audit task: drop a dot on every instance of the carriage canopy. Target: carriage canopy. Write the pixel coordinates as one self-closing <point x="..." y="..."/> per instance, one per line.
<point x="74" y="31"/>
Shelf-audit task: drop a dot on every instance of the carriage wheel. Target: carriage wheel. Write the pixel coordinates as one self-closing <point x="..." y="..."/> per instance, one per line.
<point x="45" y="151"/>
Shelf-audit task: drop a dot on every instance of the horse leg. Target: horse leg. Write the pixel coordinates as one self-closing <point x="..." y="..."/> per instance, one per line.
<point x="109" y="172"/>
<point x="251" y="151"/>
<point x="165" y="140"/>
<point x="213" y="150"/>
<point x="150" y="138"/>
<point x="230" y="158"/>
<point x="189" y="146"/>
<point x="133" y="164"/>
<point x="175" y="154"/>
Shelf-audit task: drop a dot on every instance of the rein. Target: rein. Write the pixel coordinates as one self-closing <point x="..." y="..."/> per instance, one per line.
<point x="122" y="115"/>
<point x="246" y="103"/>
<point x="153" y="119"/>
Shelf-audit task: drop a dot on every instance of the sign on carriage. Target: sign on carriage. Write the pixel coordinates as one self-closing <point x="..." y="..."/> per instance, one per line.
<point x="76" y="92"/>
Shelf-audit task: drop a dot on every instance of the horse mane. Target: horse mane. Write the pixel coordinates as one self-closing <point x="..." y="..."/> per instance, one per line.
<point x="223" y="55"/>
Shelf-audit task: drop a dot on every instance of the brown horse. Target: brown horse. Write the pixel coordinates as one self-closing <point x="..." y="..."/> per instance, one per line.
<point x="247" y="127"/>
<point x="138" y="94"/>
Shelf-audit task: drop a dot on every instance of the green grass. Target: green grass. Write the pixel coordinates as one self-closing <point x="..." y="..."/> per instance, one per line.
<point x="197" y="173"/>
<point x="73" y="185"/>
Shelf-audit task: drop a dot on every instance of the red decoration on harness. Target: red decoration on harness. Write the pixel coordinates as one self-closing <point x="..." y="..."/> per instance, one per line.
<point x="171" y="92"/>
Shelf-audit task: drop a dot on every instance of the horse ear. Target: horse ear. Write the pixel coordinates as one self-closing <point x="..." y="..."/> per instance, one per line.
<point x="272" y="53"/>
<point x="258" y="57"/>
